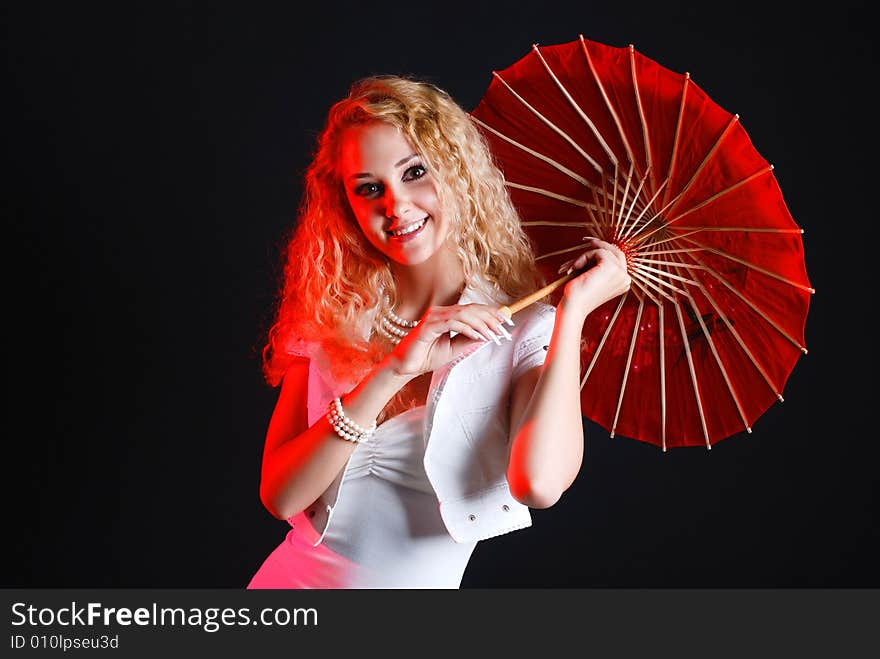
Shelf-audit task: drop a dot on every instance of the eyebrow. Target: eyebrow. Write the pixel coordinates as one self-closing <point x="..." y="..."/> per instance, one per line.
<point x="399" y="163"/>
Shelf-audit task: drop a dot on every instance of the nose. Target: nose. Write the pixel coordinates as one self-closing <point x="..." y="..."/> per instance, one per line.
<point x="397" y="203"/>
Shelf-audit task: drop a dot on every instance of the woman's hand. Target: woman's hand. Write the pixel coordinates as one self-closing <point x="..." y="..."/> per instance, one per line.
<point x="429" y="346"/>
<point x="605" y="277"/>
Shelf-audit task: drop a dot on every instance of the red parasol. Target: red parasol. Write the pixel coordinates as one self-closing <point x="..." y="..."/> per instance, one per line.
<point x="603" y="141"/>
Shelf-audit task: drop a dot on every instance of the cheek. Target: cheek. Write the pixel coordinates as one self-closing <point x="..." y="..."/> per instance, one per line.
<point x="444" y="229"/>
<point x="431" y="199"/>
<point x="362" y="210"/>
<point x="444" y="214"/>
<point x="360" y="217"/>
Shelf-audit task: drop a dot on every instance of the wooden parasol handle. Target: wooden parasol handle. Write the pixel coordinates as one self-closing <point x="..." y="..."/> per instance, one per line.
<point x="522" y="303"/>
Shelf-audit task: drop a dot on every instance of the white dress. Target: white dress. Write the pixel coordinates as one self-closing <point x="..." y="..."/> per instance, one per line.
<point x="386" y="532"/>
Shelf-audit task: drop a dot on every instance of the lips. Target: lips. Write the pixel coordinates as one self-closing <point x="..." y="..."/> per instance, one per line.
<point x="409" y="231"/>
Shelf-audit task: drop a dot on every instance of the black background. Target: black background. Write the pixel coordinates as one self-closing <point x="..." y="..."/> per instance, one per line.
<point x="155" y="157"/>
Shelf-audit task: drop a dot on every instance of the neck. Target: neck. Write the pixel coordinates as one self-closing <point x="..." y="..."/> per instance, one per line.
<point x="438" y="281"/>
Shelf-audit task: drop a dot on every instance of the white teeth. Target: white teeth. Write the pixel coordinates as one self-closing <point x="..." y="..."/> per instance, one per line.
<point x="411" y="228"/>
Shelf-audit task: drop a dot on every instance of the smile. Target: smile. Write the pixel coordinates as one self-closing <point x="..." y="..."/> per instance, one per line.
<point x="410" y="229"/>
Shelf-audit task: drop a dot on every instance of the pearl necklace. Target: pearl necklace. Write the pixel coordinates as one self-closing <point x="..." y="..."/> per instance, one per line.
<point x="392" y="326"/>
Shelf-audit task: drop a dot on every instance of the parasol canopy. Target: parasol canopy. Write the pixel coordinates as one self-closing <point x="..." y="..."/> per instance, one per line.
<point x="603" y="141"/>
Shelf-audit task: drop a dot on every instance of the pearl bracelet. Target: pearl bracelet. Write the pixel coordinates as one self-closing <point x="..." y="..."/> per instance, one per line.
<point x="345" y="427"/>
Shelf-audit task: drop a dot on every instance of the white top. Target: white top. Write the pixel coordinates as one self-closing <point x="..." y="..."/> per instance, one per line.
<point x="466" y="429"/>
<point x="387" y="531"/>
<point x="410" y="505"/>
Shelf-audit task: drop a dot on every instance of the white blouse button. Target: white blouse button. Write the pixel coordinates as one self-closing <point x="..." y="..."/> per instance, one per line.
<point x="472" y="517"/>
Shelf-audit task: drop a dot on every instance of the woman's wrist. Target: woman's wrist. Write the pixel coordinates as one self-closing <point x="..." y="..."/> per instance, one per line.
<point x="573" y="310"/>
<point x="389" y="371"/>
<point x="364" y="403"/>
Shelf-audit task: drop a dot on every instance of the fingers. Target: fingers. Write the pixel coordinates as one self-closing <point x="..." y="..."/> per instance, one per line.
<point x="593" y="253"/>
<point x="430" y="344"/>
<point x="466" y="330"/>
<point x="488" y="321"/>
<point x="597" y="243"/>
<point x="585" y="259"/>
<point x="477" y="321"/>
<point x="601" y="255"/>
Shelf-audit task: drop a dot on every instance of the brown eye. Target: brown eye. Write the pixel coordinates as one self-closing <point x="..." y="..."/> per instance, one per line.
<point x="414" y="173"/>
<point x="368" y="190"/>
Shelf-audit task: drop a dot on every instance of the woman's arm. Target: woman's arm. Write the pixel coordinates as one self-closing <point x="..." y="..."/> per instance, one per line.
<point x="547" y="448"/>
<point x="300" y="462"/>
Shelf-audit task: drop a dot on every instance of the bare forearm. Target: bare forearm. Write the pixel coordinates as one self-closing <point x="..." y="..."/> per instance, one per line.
<point x="547" y="449"/>
<point x="301" y="468"/>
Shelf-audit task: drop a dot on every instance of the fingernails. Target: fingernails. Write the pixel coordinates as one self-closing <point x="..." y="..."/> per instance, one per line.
<point x="495" y="338"/>
<point x="506" y="334"/>
<point x="504" y="318"/>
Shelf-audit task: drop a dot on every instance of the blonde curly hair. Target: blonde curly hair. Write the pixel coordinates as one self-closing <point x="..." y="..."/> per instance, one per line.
<point x="334" y="279"/>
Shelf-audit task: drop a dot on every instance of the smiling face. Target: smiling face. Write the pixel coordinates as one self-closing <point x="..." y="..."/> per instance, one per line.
<point x="392" y="194"/>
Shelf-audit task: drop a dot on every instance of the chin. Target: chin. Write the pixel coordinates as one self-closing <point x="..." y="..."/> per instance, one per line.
<point x="413" y="260"/>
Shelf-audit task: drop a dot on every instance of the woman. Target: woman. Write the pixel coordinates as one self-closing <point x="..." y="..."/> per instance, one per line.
<point x="413" y="412"/>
